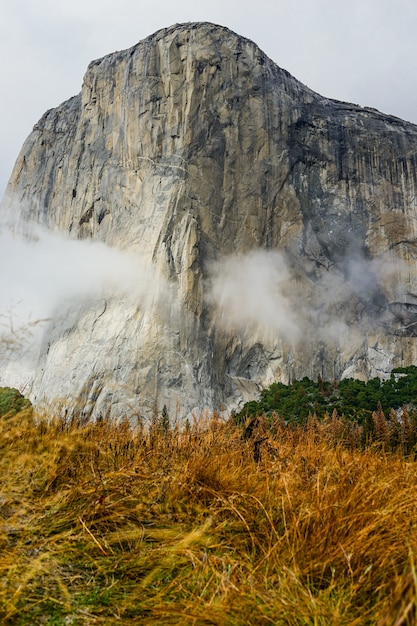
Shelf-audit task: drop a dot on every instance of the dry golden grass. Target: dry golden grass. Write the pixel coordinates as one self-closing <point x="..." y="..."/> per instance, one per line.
<point x="106" y="524"/>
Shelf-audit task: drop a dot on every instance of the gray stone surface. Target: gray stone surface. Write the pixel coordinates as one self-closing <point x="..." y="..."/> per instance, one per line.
<point x="193" y="146"/>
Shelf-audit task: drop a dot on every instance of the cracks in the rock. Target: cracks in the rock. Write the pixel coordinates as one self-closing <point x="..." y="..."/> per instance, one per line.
<point x="99" y="316"/>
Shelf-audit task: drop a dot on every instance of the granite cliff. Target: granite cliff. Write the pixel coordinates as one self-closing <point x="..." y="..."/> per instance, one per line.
<point x="281" y="225"/>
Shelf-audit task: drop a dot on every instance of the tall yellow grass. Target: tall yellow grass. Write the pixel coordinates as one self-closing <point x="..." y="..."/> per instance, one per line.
<point x="105" y="524"/>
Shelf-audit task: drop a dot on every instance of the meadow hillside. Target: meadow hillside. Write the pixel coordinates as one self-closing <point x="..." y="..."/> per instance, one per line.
<point x="217" y="523"/>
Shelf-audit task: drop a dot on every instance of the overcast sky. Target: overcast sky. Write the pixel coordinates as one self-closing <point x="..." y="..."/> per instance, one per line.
<point x="361" y="51"/>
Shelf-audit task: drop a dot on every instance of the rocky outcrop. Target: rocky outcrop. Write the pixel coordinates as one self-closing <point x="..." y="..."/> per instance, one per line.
<point x="193" y="147"/>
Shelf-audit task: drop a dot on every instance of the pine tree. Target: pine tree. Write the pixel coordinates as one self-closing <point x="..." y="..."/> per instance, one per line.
<point x="164" y="422"/>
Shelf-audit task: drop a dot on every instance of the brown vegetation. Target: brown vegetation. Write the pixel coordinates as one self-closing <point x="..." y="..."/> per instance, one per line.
<point x="105" y="524"/>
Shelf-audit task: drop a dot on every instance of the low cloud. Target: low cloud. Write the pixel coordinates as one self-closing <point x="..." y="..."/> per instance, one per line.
<point x="44" y="273"/>
<point x="251" y="294"/>
<point x="259" y="296"/>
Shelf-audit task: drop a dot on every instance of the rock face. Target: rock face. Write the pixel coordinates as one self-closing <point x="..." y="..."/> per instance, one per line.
<point x="193" y="147"/>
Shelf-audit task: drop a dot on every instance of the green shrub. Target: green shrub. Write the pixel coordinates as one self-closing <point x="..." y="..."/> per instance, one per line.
<point x="355" y="399"/>
<point x="12" y="401"/>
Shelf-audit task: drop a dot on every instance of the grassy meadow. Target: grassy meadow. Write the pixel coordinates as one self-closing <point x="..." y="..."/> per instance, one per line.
<point x="213" y="524"/>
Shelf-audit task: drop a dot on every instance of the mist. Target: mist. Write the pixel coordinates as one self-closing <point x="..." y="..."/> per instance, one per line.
<point x="251" y="294"/>
<point x="261" y="296"/>
<point x="45" y="273"/>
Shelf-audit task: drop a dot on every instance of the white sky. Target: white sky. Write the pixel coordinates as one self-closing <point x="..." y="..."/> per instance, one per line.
<point x="361" y="51"/>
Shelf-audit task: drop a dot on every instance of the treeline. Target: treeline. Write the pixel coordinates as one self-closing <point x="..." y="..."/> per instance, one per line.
<point x="353" y="412"/>
<point x="353" y="398"/>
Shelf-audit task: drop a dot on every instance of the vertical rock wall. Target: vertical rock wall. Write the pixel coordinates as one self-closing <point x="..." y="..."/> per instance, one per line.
<point x="191" y="147"/>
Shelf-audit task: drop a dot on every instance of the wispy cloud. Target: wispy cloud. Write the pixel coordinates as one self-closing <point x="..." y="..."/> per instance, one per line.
<point x="251" y="294"/>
